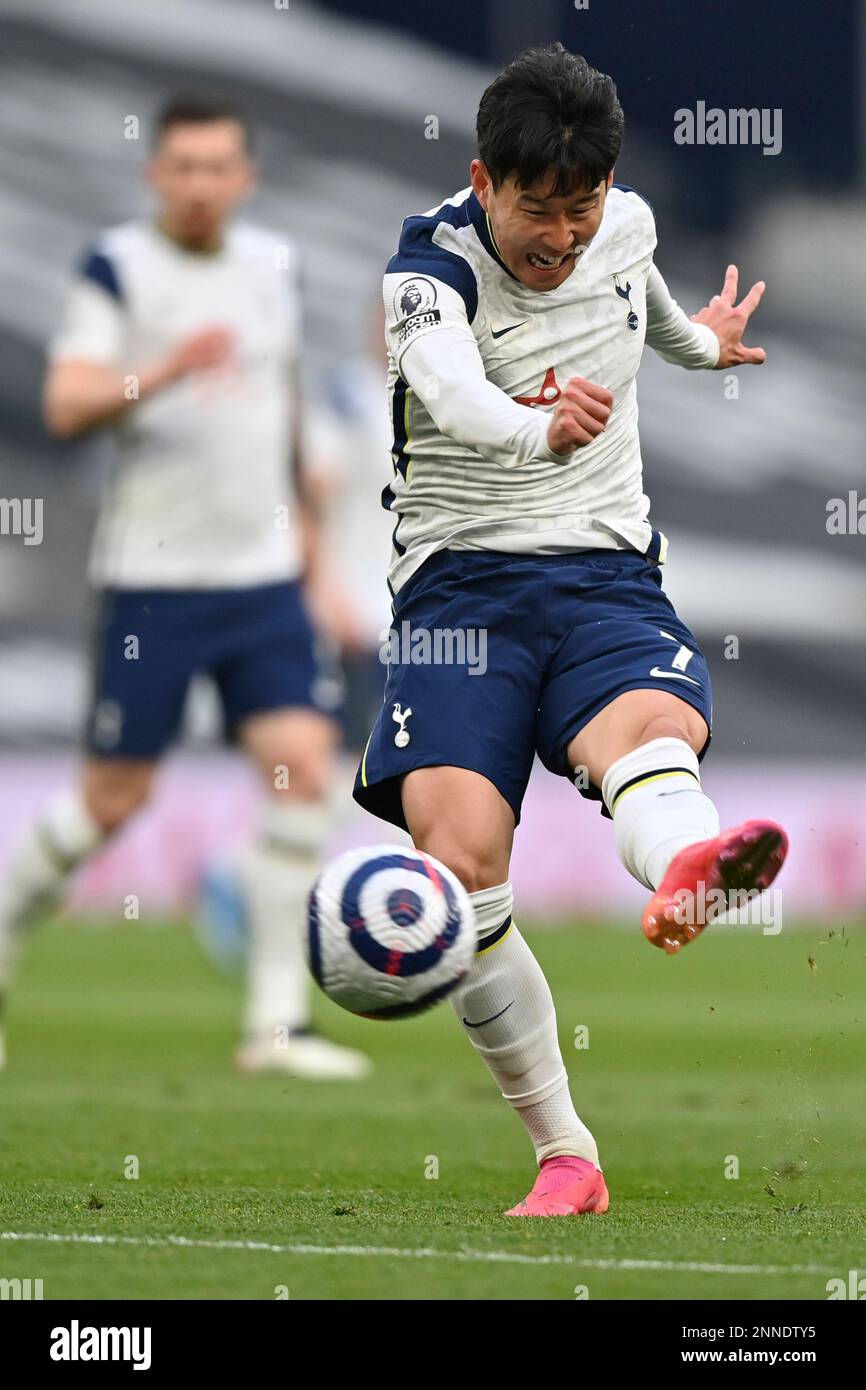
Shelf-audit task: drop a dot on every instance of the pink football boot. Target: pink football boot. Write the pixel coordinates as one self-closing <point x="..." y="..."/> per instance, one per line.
<point x="565" y="1187"/>
<point x="701" y="876"/>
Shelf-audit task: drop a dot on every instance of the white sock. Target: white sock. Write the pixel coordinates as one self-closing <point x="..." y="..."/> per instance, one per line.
<point x="519" y="1045"/>
<point x="278" y="872"/>
<point x="654" y="796"/>
<point x="62" y="836"/>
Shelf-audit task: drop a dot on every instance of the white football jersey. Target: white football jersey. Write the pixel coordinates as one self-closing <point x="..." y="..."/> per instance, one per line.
<point x="348" y="447"/>
<point x="478" y="361"/>
<point x="202" y="494"/>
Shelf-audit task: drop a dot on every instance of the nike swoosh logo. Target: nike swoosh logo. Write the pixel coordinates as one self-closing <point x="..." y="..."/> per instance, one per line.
<point x="672" y="676"/>
<point x="494" y="333"/>
<point x="488" y="1020"/>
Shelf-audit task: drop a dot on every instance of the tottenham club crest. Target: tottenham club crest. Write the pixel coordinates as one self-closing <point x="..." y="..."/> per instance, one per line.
<point x="401" y="738"/>
<point x="624" y="292"/>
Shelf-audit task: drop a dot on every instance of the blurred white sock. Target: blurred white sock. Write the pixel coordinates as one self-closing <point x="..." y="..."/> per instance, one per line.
<point x="654" y="796"/>
<point x="61" y="837"/>
<point x="506" y="1008"/>
<point x="278" y="872"/>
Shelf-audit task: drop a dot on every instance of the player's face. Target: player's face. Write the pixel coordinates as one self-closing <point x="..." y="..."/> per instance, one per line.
<point x="536" y="233"/>
<point x="201" y="172"/>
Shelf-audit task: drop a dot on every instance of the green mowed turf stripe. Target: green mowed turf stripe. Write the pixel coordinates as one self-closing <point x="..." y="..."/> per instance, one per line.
<point x="120" y="1045"/>
<point x="405" y="1253"/>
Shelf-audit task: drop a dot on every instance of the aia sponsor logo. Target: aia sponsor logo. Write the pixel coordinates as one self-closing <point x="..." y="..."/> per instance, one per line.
<point x="549" y="393"/>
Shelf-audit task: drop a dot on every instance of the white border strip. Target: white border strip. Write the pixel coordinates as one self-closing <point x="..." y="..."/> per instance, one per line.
<point x="407" y="1253"/>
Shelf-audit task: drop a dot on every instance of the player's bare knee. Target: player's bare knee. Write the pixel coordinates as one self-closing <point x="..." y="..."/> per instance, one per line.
<point x="671" y="725"/>
<point x="112" y="798"/>
<point x="476" y="867"/>
<point x="112" y="808"/>
<point x="306" y="780"/>
<point x="295" y="759"/>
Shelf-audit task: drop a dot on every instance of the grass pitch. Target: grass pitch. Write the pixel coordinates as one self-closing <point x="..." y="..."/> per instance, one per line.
<point x="745" y="1053"/>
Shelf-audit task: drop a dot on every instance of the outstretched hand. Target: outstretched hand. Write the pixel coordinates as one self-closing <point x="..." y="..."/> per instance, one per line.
<point x="728" y="321"/>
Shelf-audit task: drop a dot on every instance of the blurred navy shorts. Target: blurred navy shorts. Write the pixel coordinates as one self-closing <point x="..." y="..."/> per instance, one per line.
<point x="257" y="644"/>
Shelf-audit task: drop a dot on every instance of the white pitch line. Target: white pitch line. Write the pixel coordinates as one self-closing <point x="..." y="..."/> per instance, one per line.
<point x="407" y="1253"/>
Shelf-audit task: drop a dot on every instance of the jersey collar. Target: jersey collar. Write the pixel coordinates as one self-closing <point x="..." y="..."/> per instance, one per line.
<point x="481" y="222"/>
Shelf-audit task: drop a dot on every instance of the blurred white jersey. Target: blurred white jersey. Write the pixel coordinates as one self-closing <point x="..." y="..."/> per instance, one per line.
<point x="348" y="445"/>
<point x="477" y="362"/>
<point x="202" y="496"/>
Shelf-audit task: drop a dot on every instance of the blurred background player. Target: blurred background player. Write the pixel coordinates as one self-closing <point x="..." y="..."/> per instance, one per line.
<point x="347" y="463"/>
<point x="182" y="334"/>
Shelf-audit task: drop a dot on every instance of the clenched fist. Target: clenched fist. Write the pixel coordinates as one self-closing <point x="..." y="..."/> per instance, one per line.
<point x="203" y="351"/>
<point x="581" y="414"/>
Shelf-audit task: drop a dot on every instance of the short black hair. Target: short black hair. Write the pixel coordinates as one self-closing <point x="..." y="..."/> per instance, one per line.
<point x="197" y="108"/>
<point x="549" y="110"/>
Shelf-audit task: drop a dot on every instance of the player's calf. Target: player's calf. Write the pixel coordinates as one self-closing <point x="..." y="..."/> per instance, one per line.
<point x="658" y="806"/>
<point x="114" y="789"/>
<point x="506" y="1008"/>
<point x="503" y="1002"/>
<point x="65" y="833"/>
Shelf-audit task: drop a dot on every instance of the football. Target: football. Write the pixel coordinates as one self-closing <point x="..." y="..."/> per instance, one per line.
<point x="390" y="931"/>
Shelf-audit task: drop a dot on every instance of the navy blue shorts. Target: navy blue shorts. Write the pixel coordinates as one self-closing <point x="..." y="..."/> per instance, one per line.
<point x="257" y="644"/>
<point x="538" y="646"/>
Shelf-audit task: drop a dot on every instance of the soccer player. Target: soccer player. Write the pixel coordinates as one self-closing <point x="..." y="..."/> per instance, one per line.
<point x="182" y="333"/>
<point x="517" y="313"/>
